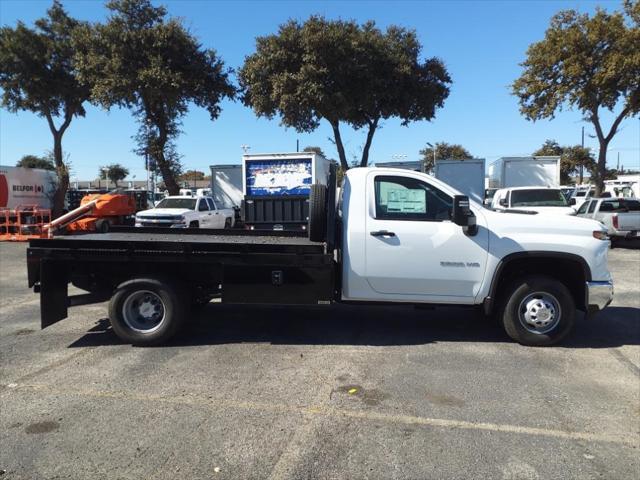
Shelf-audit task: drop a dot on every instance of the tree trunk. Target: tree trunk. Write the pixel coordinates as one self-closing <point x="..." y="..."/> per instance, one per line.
<point x="367" y="145"/>
<point x="164" y="166"/>
<point x="338" y="139"/>
<point x="63" y="176"/>
<point x="601" y="169"/>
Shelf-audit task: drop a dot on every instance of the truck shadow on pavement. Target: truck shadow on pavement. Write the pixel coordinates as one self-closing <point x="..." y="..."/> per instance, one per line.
<point x="220" y="324"/>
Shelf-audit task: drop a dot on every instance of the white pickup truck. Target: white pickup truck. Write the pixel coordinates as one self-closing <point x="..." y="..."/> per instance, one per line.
<point x="533" y="199"/>
<point x="621" y="216"/>
<point x="186" y="212"/>
<point x="396" y="237"/>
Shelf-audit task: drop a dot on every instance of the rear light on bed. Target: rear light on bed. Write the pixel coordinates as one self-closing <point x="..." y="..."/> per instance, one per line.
<point x="614" y="219"/>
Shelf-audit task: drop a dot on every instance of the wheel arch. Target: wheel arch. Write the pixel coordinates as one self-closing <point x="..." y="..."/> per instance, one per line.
<point x="569" y="268"/>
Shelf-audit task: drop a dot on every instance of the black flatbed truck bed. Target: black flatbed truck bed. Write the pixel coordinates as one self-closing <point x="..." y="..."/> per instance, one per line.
<point x="239" y="267"/>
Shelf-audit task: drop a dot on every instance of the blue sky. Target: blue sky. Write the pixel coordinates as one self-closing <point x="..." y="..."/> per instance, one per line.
<point x="481" y="43"/>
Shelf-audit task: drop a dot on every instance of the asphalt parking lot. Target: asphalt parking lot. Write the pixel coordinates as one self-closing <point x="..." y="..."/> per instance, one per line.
<point x="333" y="392"/>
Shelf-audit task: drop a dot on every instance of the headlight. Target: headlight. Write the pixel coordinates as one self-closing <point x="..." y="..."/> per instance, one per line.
<point x="600" y="235"/>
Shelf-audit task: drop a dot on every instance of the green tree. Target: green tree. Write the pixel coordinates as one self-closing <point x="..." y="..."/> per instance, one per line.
<point x="313" y="149"/>
<point x="571" y="159"/>
<point x="590" y="63"/>
<point x="114" y="172"/>
<point x="342" y="72"/>
<point x="444" y="151"/>
<point x="37" y="74"/>
<point x="142" y="60"/>
<point x="191" y="175"/>
<point x="33" y="161"/>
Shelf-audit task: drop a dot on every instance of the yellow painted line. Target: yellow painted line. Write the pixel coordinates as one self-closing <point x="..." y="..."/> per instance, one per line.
<point x="629" y="439"/>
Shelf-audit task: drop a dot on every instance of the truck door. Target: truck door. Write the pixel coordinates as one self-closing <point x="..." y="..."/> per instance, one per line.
<point x="413" y="249"/>
<point x="204" y="213"/>
<point x="216" y="215"/>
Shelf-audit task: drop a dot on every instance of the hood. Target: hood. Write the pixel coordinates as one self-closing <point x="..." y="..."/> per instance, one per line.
<point x="512" y="222"/>
<point x="159" y="212"/>
<point x="552" y="210"/>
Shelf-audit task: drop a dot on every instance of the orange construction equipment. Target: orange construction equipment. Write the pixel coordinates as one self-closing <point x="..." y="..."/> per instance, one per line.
<point x="23" y="223"/>
<point x="96" y="213"/>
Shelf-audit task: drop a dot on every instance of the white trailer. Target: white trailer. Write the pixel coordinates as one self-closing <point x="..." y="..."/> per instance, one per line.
<point x="226" y="185"/>
<point x="507" y="172"/>
<point x="26" y="186"/>
<point x="466" y="176"/>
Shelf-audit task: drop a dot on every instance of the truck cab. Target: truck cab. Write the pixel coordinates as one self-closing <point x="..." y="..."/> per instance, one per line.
<point x="536" y="199"/>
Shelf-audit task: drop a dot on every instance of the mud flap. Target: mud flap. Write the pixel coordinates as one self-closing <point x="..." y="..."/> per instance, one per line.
<point x="54" y="279"/>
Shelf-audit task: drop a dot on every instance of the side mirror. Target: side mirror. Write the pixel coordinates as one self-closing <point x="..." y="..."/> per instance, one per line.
<point x="572" y="201"/>
<point x="503" y="202"/>
<point x="463" y="216"/>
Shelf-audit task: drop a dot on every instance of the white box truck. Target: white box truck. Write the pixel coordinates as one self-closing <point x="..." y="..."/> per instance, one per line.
<point x="466" y="176"/>
<point x="226" y="185"/>
<point x="26" y="186"/>
<point x="276" y="188"/>
<point x="509" y="172"/>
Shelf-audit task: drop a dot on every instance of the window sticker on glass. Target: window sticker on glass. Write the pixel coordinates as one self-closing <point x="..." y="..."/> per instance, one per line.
<point x="402" y="200"/>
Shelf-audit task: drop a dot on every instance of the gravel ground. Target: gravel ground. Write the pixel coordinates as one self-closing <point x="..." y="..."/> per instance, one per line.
<point x="334" y="392"/>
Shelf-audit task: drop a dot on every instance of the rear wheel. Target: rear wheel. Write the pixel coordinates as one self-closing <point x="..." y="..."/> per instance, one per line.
<point x="317" y="213"/>
<point x="146" y="311"/>
<point x="194" y="224"/>
<point x="538" y="311"/>
<point x="102" y="226"/>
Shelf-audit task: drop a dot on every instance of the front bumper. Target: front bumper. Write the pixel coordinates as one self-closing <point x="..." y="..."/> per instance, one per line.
<point x="599" y="295"/>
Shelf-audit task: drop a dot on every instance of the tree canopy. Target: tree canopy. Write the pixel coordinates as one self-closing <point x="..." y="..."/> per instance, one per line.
<point x="114" y="172"/>
<point x="142" y="60"/>
<point x="313" y="149"/>
<point x="444" y="151"/>
<point x="191" y="175"/>
<point x="588" y="63"/>
<point x="571" y="159"/>
<point x="38" y="74"/>
<point x="342" y="72"/>
<point x="33" y="161"/>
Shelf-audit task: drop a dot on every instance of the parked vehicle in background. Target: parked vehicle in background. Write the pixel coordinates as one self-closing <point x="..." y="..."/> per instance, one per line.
<point x="466" y="176"/>
<point x="625" y="186"/>
<point x="489" y="193"/>
<point x="509" y="172"/>
<point x="534" y="199"/>
<point x="398" y="237"/>
<point x="186" y="212"/>
<point x="187" y="192"/>
<point x="276" y="189"/>
<point x="621" y="216"/>
<point x="567" y="191"/>
<point x="581" y="194"/>
<point x="26" y="186"/>
<point x="226" y="187"/>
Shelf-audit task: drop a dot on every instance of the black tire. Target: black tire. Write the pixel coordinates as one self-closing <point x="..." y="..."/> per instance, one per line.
<point x="174" y="310"/>
<point x="318" y="213"/>
<point x="227" y="223"/>
<point x="102" y="226"/>
<point x="536" y="291"/>
<point x="194" y="224"/>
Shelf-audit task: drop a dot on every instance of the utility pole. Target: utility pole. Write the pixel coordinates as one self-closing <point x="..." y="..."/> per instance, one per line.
<point x="297" y="145"/>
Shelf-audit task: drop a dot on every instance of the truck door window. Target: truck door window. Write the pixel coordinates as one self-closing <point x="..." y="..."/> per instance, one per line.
<point x="212" y="205"/>
<point x="405" y="198"/>
<point x="202" y="205"/>
<point x="592" y="207"/>
<point x="583" y="208"/>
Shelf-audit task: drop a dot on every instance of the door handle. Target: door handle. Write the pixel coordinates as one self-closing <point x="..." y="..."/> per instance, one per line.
<point x="382" y="233"/>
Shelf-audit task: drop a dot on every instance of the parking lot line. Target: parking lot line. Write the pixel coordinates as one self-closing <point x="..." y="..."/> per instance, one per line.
<point x="320" y="410"/>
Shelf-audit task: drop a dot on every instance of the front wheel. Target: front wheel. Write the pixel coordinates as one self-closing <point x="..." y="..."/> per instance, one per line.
<point x="146" y="311"/>
<point x="538" y="311"/>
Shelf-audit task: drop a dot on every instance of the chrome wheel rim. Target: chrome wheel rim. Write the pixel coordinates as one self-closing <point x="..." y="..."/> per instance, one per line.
<point x="539" y="312"/>
<point x="143" y="311"/>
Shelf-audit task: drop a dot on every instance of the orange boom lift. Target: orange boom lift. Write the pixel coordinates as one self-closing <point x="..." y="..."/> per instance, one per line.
<point x="96" y="213"/>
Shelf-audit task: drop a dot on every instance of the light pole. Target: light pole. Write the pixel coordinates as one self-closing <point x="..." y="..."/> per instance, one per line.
<point x="245" y="148"/>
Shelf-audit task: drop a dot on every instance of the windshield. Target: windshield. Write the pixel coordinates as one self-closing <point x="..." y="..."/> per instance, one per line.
<point x="188" y="203"/>
<point x="538" y="198"/>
